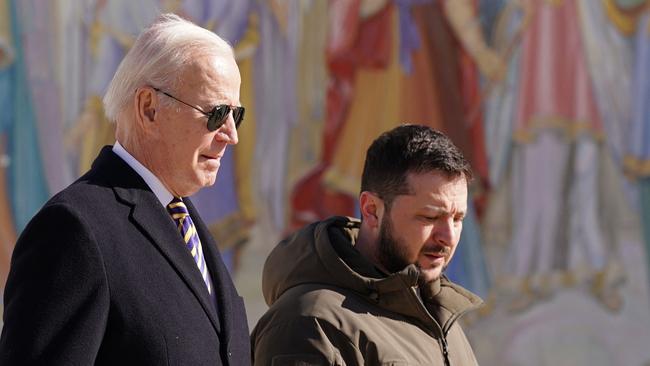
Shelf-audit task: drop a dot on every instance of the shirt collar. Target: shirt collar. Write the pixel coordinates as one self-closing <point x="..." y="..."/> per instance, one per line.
<point x="163" y="195"/>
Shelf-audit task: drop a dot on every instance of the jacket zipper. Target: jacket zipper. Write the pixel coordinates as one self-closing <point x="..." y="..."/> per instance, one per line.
<point x="443" y="335"/>
<point x="443" y="332"/>
<point x="445" y="350"/>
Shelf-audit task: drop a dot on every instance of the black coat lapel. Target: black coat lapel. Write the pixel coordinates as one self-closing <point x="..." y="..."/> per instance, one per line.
<point x="223" y="286"/>
<point x="155" y="223"/>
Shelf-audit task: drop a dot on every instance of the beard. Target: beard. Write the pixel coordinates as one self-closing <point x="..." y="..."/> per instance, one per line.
<point x="393" y="252"/>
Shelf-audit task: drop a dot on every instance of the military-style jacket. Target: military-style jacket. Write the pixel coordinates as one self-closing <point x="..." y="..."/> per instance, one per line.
<point x="330" y="306"/>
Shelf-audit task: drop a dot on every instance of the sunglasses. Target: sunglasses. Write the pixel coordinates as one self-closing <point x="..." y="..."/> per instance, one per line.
<point x="218" y="115"/>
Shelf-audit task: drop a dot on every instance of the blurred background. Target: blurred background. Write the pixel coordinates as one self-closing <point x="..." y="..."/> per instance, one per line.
<point x="547" y="98"/>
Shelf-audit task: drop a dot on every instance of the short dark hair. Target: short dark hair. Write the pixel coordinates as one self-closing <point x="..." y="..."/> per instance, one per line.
<point x="409" y="149"/>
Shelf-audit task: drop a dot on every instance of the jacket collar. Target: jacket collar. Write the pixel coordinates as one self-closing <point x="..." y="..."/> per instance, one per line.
<point x="440" y="300"/>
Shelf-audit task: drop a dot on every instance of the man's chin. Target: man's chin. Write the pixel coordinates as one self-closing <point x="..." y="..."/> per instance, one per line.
<point x="208" y="179"/>
<point x="430" y="275"/>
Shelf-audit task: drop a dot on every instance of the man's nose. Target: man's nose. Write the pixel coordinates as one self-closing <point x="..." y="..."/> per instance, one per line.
<point x="443" y="232"/>
<point x="228" y="132"/>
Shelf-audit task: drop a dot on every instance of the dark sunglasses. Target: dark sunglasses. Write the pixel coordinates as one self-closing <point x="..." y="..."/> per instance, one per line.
<point x="217" y="116"/>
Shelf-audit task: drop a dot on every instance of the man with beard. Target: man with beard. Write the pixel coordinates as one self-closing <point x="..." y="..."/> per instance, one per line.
<point x="372" y="292"/>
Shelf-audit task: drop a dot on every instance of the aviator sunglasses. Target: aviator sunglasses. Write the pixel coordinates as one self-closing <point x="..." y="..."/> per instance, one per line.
<point x="217" y="116"/>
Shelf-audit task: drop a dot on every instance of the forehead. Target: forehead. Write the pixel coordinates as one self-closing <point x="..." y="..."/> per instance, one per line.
<point x="435" y="188"/>
<point x="215" y="76"/>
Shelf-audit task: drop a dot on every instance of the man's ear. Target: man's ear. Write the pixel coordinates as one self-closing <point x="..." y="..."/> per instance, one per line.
<point x="146" y="104"/>
<point x="372" y="209"/>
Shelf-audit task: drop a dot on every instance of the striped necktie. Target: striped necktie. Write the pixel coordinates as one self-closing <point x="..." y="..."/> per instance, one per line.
<point x="182" y="218"/>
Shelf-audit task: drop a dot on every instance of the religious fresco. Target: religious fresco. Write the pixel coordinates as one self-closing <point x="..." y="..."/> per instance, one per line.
<point x="547" y="99"/>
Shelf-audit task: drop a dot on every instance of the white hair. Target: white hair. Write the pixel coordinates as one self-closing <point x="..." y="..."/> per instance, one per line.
<point x="158" y="57"/>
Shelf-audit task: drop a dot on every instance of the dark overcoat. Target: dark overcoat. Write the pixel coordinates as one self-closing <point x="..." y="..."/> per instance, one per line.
<point x="101" y="276"/>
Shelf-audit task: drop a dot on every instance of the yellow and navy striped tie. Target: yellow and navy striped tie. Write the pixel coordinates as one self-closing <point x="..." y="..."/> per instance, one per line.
<point x="182" y="218"/>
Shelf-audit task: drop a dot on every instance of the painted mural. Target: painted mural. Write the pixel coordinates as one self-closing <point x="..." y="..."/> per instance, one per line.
<point x="547" y="99"/>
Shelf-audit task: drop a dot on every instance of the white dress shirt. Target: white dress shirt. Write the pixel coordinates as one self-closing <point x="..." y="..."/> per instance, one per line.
<point x="164" y="196"/>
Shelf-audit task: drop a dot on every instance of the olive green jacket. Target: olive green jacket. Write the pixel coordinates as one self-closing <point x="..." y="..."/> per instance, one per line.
<point x="330" y="306"/>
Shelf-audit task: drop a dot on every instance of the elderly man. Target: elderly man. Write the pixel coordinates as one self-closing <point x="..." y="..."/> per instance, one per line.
<point x="118" y="268"/>
<point x="371" y="292"/>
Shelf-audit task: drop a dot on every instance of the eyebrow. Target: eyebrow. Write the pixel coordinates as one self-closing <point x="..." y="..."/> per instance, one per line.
<point x="442" y="210"/>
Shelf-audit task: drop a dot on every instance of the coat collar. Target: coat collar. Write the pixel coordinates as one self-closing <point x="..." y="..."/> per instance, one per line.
<point x="220" y="275"/>
<point x="154" y="222"/>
